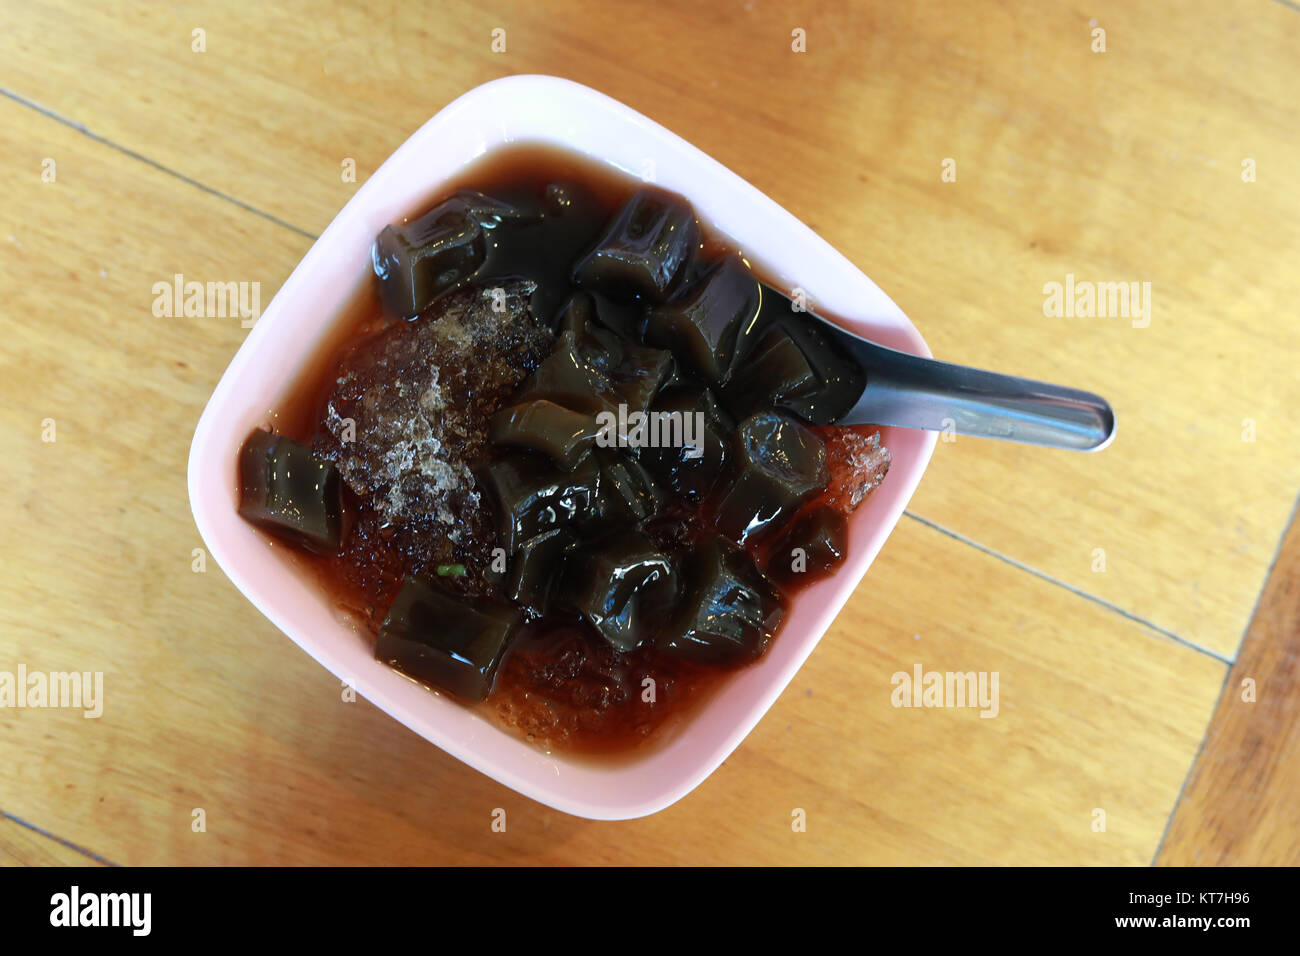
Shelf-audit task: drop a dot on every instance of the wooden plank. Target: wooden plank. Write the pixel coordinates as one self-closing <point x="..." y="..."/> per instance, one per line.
<point x="23" y="846"/>
<point x="1111" y="167"/>
<point x="207" y="707"/>
<point x="1239" y="807"/>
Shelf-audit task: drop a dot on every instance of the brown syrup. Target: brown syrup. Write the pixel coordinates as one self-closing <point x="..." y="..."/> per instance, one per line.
<point x="559" y="687"/>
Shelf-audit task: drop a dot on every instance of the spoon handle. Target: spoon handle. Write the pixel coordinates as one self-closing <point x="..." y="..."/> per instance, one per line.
<point x="913" y="392"/>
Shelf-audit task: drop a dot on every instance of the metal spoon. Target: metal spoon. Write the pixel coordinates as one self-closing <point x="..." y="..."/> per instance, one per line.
<point x="913" y="392"/>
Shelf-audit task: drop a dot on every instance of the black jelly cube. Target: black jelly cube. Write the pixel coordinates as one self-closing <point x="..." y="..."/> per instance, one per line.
<point x="700" y="326"/>
<point x="286" y="489"/>
<point x="812" y="547"/>
<point x="440" y="640"/>
<point x="638" y="378"/>
<point x="601" y="347"/>
<point x="562" y="435"/>
<point x="729" y="611"/>
<point x="569" y="377"/>
<point x="490" y="212"/>
<point x="840" y="378"/>
<point x="423" y="259"/>
<point x="643" y="248"/>
<point x="531" y="496"/>
<point x="689" y="467"/>
<point x="622" y="586"/>
<point x="836" y="381"/>
<point x="775" y="373"/>
<point x="535" y="569"/>
<point x="628" y="494"/>
<point x="778" y="464"/>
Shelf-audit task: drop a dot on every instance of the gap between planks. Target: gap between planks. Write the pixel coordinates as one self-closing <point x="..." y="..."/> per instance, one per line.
<point x="1042" y="575"/>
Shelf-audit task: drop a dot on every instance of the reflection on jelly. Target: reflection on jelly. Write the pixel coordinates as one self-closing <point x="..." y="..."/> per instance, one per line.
<point x="499" y="550"/>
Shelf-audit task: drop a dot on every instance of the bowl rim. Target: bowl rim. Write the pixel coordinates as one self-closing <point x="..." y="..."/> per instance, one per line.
<point x="579" y="118"/>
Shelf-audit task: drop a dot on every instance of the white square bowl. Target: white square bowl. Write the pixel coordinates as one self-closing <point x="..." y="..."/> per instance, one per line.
<point x="544" y="109"/>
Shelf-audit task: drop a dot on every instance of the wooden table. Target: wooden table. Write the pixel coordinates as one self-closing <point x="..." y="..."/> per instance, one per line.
<point x="1111" y="592"/>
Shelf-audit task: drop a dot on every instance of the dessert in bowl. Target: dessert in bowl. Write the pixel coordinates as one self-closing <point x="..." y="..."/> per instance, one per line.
<point x="320" y="335"/>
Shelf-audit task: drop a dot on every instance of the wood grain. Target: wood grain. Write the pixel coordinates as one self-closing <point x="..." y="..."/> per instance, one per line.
<point x="22" y="846"/>
<point x="1240" y="805"/>
<point x="208" y="708"/>
<point x="1112" y="167"/>
<point x="1116" y="166"/>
